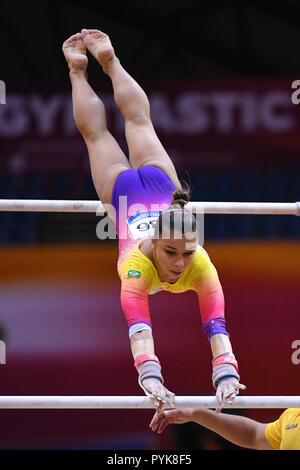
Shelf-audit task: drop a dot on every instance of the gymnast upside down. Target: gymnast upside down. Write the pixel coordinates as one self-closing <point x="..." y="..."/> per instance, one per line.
<point x="148" y="262"/>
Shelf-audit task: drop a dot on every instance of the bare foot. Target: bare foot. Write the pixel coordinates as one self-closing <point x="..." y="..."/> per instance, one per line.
<point x="75" y="53"/>
<point x="99" y="45"/>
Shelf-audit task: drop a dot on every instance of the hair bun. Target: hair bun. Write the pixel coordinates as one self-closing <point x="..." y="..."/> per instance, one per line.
<point x="180" y="198"/>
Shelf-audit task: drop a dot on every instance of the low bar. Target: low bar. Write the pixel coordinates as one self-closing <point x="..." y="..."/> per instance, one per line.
<point x="141" y="402"/>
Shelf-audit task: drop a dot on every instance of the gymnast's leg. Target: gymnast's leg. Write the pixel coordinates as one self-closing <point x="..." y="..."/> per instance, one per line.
<point x="143" y="143"/>
<point x="107" y="160"/>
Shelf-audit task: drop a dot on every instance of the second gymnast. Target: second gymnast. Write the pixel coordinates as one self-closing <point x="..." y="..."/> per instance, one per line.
<point x="149" y="262"/>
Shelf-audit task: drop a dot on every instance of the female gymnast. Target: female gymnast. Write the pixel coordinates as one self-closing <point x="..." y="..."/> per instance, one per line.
<point x="151" y="258"/>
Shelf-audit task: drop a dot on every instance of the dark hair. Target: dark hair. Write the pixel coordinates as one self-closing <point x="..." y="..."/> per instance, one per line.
<point x="180" y="199"/>
<point x="176" y="217"/>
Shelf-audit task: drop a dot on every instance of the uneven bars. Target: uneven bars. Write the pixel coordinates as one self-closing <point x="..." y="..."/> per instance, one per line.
<point x="134" y="402"/>
<point x="42" y="205"/>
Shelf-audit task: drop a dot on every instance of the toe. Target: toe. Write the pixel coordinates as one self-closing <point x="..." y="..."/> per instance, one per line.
<point x="67" y="43"/>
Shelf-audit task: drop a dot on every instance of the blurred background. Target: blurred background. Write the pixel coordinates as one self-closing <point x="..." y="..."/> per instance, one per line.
<point x="218" y="76"/>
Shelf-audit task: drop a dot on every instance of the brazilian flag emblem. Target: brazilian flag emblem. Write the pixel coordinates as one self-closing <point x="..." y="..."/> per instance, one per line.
<point x="133" y="273"/>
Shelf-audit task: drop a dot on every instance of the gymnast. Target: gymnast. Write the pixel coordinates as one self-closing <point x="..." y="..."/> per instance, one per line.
<point x="159" y="246"/>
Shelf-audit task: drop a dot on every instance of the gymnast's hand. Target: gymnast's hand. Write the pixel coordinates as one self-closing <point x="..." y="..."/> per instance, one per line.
<point x="227" y="390"/>
<point x="155" y="389"/>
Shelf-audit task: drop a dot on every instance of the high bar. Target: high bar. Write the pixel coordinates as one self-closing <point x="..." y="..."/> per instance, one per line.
<point x="254" y="208"/>
<point x="141" y="402"/>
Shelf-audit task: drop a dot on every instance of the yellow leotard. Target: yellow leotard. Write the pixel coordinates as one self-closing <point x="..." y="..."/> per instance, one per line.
<point x="140" y="278"/>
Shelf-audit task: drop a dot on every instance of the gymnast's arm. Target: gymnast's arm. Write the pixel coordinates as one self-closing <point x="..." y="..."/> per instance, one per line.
<point x="211" y="303"/>
<point x="225" y="375"/>
<point x="134" y="300"/>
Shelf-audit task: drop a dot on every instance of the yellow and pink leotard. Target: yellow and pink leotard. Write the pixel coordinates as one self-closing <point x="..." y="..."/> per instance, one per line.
<point x="150" y="190"/>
